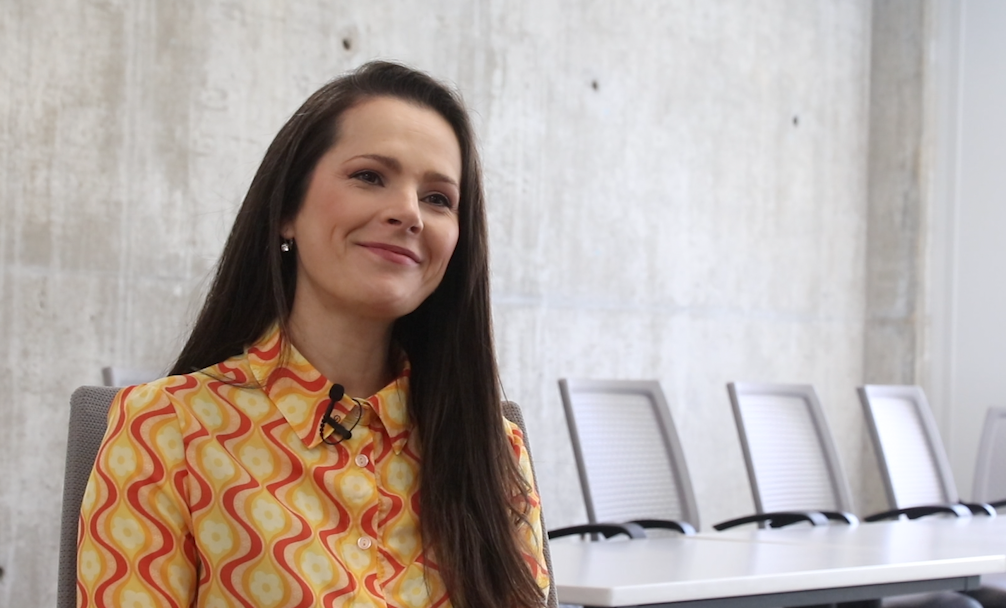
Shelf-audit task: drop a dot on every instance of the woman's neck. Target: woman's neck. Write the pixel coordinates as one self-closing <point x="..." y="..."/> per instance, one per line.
<point x="349" y="351"/>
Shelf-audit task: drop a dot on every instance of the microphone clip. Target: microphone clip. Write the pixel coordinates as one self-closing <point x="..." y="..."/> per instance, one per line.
<point x="335" y="395"/>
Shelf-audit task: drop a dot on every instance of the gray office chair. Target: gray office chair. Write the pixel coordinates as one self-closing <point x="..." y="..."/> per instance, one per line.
<point x="628" y="455"/>
<point x="791" y="460"/>
<point x="513" y="413"/>
<point x="88" y="420"/>
<point x="913" y="464"/>
<point x="89" y="407"/>
<point x="990" y="468"/>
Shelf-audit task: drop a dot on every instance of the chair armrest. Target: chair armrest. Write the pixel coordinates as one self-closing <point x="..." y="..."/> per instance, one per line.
<point x="843" y="516"/>
<point x="666" y="524"/>
<point x="607" y="530"/>
<point x="777" y="520"/>
<point x="916" y="512"/>
<point x="997" y="504"/>
<point x="980" y="508"/>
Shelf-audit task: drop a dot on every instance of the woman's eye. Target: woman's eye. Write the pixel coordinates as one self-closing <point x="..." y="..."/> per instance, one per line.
<point x="439" y="200"/>
<point x="371" y="177"/>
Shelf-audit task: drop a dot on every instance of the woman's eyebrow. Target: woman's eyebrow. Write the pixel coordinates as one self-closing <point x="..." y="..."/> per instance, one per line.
<point x="393" y="164"/>
<point x="434" y="176"/>
<point x="387" y="161"/>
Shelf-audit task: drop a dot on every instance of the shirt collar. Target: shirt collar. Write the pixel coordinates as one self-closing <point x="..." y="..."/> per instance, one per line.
<point x="300" y="392"/>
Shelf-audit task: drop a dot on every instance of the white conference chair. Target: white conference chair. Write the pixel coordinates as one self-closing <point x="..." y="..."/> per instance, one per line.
<point x="791" y="459"/>
<point x="632" y="468"/>
<point x="793" y="465"/>
<point x="990" y="469"/>
<point x="913" y="464"/>
<point x="628" y="455"/>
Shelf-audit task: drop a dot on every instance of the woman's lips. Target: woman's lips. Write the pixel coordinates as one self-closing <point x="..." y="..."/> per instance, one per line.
<point x="393" y="253"/>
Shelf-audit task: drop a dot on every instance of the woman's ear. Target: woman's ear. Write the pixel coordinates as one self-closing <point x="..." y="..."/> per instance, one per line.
<point x="286" y="231"/>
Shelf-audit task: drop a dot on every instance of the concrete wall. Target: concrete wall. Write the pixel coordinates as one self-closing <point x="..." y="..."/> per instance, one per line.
<point x="679" y="190"/>
<point x="698" y="218"/>
<point x="897" y="191"/>
<point x="897" y="332"/>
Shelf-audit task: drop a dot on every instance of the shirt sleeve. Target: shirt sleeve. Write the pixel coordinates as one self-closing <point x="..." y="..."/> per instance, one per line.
<point x="134" y="547"/>
<point x="530" y="534"/>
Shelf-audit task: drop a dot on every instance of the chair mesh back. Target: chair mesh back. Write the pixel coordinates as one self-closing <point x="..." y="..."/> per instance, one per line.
<point x="627" y="452"/>
<point x="512" y="413"/>
<point x="914" y="464"/>
<point x="913" y="471"/>
<point x="990" y="472"/>
<point x="786" y="453"/>
<point x="788" y="449"/>
<point x="88" y="419"/>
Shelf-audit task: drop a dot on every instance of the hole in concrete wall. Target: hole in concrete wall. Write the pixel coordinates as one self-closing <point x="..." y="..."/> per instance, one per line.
<point x="594" y="85"/>
<point x="796" y="121"/>
<point x="347" y="44"/>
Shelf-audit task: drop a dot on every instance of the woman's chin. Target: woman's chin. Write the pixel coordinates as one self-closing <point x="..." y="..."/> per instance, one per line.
<point x="389" y="310"/>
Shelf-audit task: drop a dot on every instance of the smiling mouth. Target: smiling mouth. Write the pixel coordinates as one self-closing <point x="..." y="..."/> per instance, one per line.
<point x="393" y="253"/>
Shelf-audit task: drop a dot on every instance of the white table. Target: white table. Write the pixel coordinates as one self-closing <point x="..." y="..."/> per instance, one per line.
<point x="946" y="536"/>
<point x="789" y="567"/>
<point x="934" y="535"/>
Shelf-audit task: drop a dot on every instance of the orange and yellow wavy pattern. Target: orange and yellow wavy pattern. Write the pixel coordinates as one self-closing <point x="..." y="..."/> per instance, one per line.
<point x="214" y="489"/>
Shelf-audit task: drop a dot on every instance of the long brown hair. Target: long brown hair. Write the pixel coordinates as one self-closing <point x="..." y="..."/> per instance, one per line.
<point x="468" y="473"/>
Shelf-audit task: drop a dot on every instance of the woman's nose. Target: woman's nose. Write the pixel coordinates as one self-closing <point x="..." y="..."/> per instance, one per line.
<point x="404" y="210"/>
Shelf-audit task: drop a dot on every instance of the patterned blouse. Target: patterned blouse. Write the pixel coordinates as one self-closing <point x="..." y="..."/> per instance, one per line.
<point x="214" y="489"/>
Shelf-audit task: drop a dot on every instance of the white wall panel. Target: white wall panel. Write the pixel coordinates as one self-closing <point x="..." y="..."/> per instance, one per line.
<point x="975" y="298"/>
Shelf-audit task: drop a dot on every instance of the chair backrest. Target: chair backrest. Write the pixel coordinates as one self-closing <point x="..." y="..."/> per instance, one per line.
<point x="990" y="469"/>
<point x="791" y="459"/>
<point x="88" y="419"/>
<point x="89" y="407"/>
<point x="913" y="463"/>
<point x="627" y="451"/>
<point x="513" y="413"/>
<point x="125" y="376"/>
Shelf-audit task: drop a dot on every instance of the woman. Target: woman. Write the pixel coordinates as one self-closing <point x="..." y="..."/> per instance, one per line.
<point x="258" y="474"/>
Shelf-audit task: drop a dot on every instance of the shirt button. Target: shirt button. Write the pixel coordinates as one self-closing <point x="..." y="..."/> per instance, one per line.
<point x="362" y="460"/>
<point x="364" y="543"/>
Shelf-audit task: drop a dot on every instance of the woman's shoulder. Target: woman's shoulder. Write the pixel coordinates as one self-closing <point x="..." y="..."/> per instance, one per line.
<point x="178" y="388"/>
<point x="515" y="435"/>
<point x="512" y="430"/>
<point x="150" y="395"/>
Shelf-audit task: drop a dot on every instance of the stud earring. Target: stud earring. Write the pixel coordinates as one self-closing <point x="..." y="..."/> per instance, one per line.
<point x="286" y="245"/>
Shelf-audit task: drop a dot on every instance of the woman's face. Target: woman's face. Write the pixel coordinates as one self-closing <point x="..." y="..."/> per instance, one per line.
<point x="379" y="220"/>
